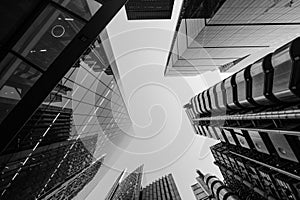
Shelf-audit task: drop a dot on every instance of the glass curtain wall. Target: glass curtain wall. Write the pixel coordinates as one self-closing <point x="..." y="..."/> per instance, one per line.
<point x="79" y="121"/>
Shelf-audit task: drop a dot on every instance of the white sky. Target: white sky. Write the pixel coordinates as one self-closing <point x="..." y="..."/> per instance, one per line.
<point x="164" y="139"/>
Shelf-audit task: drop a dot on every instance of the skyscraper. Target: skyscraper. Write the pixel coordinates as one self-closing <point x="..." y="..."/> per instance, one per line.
<point x="31" y="176"/>
<point x="199" y="193"/>
<point x="130" y="188"/>
<point x="213" y="34"/>
<point x="164" y="188"/>
<point x="149" y="9"/>
<point x="74" y="184"/>
<point x="255" y="114"/>
<point x="115" y="186"/>
<point x="40" y="45"/>
<point x="60" y="98"/>
<point x="210" y="187"/>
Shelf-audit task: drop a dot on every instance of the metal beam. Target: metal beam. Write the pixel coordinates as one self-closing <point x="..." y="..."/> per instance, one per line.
<point x="268" y="166"/>
<point x="231" y="47"/>
<point x="257" y="24"/>
<point x="56" y="71"/>
<point x="210" y="58"/>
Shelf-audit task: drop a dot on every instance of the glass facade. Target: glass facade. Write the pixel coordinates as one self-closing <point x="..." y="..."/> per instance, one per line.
<point x="76" y="121"/>
<point x="75" y="184"/>
<point x="61" y="147"/>
<point x="129" y="187"/>
<point x="16" y="78"/>
<point x="46" y="37"/>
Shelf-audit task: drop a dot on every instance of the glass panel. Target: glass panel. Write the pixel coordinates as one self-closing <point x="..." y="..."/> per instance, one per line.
<point x="83" y="8"/>
<point x="65" y="136"/>
<point x="48" y="36"/>
<point x="16" y="78"/>
<point x="84" y="109"/>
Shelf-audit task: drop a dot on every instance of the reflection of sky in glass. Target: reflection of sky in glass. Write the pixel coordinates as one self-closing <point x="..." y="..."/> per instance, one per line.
<point x="82" y="119"/>
<point x="85" y="110"/>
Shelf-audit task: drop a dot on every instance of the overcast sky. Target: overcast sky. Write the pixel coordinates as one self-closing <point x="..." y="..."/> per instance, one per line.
<point x="163" y="139"/>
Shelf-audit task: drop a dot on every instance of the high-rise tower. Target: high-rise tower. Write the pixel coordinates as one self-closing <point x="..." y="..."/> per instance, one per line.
<point x="221" y="34"/>
<point x="164" y="188"/>
<point x="60" y="98"/>
<point x="199" y="192"/>
<point x="255" y="114"/>
<point x="127" y="188"/>
<point x="149" y="9"/>
<point x="210" y="187"/>
<point x="130" y="188"/>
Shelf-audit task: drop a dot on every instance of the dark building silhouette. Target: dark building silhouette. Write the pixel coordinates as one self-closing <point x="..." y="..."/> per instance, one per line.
<point x="149" y="9"/>
<point x="200" y="9"/>
<point x="255" y="115"/>
<point x="60" y="130"/>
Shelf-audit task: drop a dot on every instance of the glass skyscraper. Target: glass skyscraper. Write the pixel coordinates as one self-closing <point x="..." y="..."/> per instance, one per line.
<point x="61" y="107"/>
<point x="130" y="188"/>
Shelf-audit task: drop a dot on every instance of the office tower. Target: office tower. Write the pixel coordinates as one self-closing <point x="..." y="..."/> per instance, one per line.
<point x="115" y="186"/>
<point x="63" y="137"/>
<point x="255" y="114"/>
<point x="60" y="97"/>
<point x="199" y="192"/>
<point x="128" y="188"/>
<point x="221" y="34"/>
<point x="149" y="9"/>
<point x="210" y="187"/>
<point x="164" y="188"/>
<point x="59" y="131"/>
<point x="40" y="44"/>
<point x="71" y="187"/>
<point x="29" y="177"/>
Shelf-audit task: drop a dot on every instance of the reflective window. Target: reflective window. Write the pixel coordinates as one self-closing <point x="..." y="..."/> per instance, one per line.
<point x="80" y="7"/>
<point x="16" y="78"/>
<point x="50" y="33"/>
<point x="72" y="128"/>
<point x="65" y="138"/>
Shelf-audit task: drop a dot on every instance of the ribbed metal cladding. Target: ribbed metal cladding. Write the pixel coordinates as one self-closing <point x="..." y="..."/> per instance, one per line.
<point x="285" y="114"/>
<point x="162" y="189"/>
<point x="219" y="190"/>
